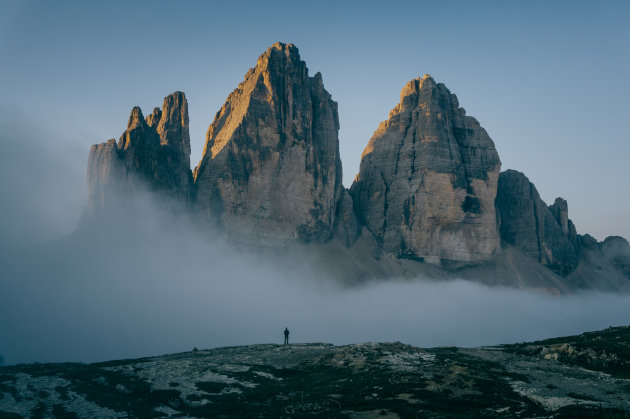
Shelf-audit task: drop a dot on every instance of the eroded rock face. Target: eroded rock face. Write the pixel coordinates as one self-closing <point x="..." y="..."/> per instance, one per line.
<point x="347" y="225"/>
<point x="428" y="179"/>
<point x="543" y="233"/>
<point x="560" y="210"/>
<point x="104" y="172"/>
<point x="271" y="175"/>
<point x="152" y="154"/>
<point x="617" y="250"/>
<point x="271" y="171"/>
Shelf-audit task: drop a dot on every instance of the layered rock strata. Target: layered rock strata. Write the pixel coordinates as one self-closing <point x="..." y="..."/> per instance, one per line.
<point x="271" y="171"/>
<point x="153" y="154"/>
<point x="544" y="233"/>
<point x="428" y="189"/>
<point x="428" y="179"/>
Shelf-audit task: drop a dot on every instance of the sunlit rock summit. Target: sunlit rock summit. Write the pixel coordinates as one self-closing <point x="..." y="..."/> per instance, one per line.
<point x="428" y="179"/>
<point x="152" y="154"/>
<point x="429" y="198"/>
<point x="271" y="171"/>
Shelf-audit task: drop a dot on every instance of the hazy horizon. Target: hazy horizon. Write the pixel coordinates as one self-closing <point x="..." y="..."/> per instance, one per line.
<point x="144" y="282"/>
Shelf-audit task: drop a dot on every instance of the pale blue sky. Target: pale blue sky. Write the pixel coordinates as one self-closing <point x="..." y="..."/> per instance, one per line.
<point x="548" y="80"/>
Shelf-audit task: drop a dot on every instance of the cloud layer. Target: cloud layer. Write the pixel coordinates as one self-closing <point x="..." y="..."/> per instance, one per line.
<point x="158" y="286"/>
<point x="42" y="179"/>
<point x="146" y="283"/>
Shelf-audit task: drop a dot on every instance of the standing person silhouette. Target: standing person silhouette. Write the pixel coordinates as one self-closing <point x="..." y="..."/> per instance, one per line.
<point x="286" y="335"/>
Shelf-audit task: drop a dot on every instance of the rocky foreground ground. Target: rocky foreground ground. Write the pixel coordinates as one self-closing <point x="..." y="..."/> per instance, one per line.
<point x="577" y="376"/>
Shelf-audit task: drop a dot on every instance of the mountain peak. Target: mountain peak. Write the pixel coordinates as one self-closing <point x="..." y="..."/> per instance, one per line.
<point x="281" y="58"/>
<point x="135" y="118"/>
<point x="428" y="188"/>
<point x="425" y="81"/>
<point x="416" y="92"/>
<point x="153" y="119"/>
<point x="152" y="153"/>
<point x="271" y="170"/>
<point x="282" y="48"/>
<point x="173" y="125"/>
<point x="428" y="177"/>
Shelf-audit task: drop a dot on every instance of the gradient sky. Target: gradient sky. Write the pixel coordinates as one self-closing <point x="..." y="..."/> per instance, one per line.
<point x="548" y="80"/>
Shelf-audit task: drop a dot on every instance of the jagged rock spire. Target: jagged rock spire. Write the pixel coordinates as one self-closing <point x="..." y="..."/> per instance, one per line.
<point x="154" y="118"/>
<point x="544" y="233"/>
<point x="428" y="179"/>
<point x="173" y="126"/>
<point x="271" y="171"/>
<point x="153" y="154"/>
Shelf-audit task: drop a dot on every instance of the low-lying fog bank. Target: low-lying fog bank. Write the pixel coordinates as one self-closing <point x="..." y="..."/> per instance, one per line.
<point x="152" y="285"/>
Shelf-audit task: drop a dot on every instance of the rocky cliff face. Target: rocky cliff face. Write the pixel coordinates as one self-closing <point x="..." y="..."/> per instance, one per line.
<point x="428" y="179"/>
<point x="428" y="189"/>
<point x="152" y="154"/>
<point x="602" y="265"/>
<point x="271" y="171"/>
<point x="103" y="175"/>
<point x="617" y="251"/>
<point x="543" y="233"/>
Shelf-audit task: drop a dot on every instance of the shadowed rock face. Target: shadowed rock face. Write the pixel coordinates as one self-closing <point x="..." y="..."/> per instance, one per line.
<point x="271" y="175"/>
<point x="428" y="179"/>
<point x="103" y="175"/>
<point x="151" y="154"/>
<point x="543" y="233"/>
<point x="271" y="171"/>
